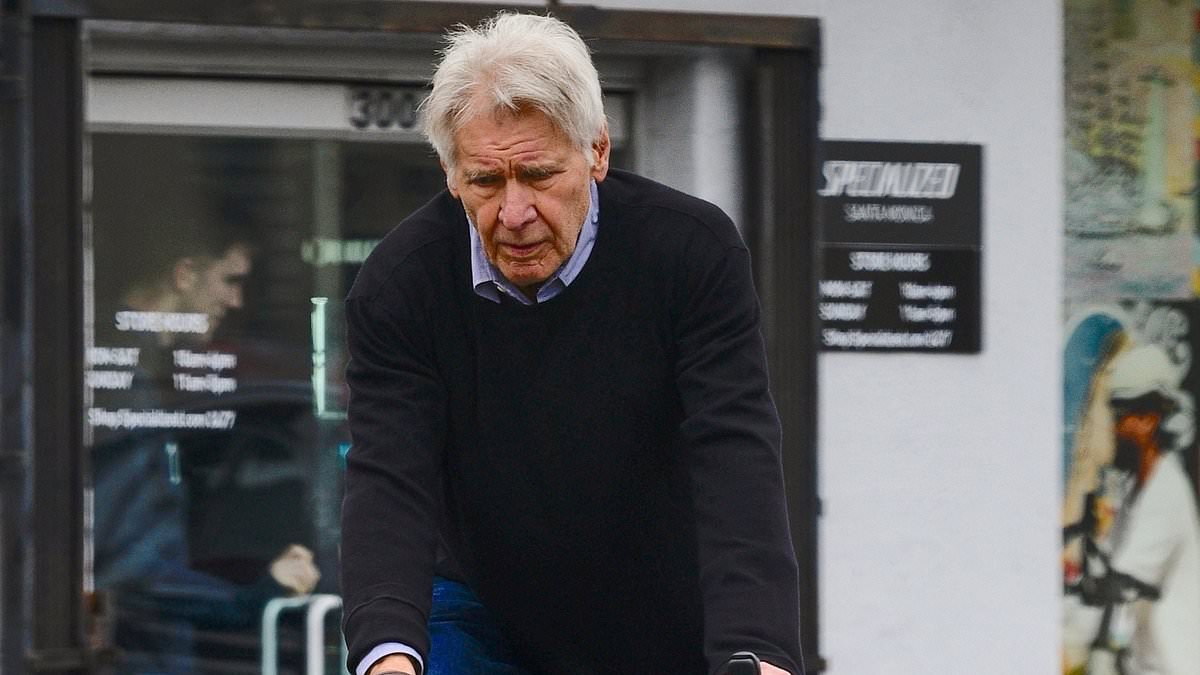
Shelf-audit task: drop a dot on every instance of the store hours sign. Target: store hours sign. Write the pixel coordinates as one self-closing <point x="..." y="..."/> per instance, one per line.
<point x="901" y="247"/>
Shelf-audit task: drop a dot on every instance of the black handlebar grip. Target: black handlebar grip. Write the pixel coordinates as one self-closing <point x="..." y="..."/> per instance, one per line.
<point x="742" y="663"/>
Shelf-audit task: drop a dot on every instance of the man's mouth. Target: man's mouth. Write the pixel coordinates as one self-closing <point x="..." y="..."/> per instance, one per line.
<point x="523" y="251"/>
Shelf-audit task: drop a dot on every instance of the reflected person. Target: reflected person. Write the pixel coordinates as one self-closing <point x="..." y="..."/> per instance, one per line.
<point x="141" y="495"/>
<point x="565" y="455"/>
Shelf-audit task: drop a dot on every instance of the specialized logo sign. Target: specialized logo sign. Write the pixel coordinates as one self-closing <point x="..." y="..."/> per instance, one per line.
<point x="901" y="242"/>
<point x="910" y="180"/>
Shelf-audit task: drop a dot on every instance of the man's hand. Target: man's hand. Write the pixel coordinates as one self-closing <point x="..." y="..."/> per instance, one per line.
<point x="295" y="571"/>
<point x="394" y="663"/>
<point x="768" y="669"/>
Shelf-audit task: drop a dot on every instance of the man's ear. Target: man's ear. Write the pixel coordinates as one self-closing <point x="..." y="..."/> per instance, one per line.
<point x="601" y="148"/>
<point x="451" y="185"/>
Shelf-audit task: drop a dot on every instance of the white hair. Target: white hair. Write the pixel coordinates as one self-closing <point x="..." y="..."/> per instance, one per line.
<point x="510" y="63"/>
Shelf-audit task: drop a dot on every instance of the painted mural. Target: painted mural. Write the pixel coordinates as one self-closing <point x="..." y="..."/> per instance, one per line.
<point x="1196" y="141"/>
<point x="1131" y="532"/>
<point x="1130" y="166"/>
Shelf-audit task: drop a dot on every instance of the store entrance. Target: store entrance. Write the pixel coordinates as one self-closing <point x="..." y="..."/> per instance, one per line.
<point x="189" y="191"/>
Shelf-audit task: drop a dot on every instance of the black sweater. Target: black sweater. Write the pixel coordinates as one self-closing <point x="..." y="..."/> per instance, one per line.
<point x="602" y="469"/>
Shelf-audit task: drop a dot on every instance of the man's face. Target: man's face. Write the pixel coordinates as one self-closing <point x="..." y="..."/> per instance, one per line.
<point x="525" y="186"/>
<point x="216" y="287"/>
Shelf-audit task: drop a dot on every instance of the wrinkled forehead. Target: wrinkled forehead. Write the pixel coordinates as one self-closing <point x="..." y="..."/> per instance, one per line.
<point x="527" y="127"/>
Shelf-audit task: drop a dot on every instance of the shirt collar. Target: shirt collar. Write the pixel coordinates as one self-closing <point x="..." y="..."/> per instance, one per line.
<point x="489" y="282"/>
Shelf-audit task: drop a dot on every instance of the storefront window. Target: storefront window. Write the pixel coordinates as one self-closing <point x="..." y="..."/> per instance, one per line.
<point x="214" y="380"/>
<point x="214" y="373"/>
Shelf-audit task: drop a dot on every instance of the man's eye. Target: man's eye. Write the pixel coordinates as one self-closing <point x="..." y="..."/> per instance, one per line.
<point x="536" y="175"/>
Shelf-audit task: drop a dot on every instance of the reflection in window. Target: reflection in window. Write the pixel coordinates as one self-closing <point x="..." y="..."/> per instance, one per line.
<point x="214" y="378"/>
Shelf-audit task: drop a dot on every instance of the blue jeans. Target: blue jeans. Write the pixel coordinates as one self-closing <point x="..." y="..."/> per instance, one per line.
<point x="464" y="638"/>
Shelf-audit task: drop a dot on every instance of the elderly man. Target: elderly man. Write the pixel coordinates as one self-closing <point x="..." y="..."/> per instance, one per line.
<point x="565" y="456"/>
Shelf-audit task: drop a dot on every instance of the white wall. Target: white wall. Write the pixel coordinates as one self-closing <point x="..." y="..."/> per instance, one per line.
<point x="940" y="476"/>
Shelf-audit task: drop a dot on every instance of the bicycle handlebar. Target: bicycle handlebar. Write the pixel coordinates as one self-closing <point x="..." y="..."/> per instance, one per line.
<point x="741" y="663"/>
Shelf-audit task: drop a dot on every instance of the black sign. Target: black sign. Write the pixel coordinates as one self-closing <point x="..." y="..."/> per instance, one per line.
<point x="901" y="247"/>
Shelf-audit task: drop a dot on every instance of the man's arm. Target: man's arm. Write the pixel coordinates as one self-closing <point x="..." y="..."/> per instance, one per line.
<point x="748" y="570"/>
<point x="397" y="426"/>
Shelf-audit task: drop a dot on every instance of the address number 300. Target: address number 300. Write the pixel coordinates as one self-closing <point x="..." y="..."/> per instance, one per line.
<point x="383" y="109"/>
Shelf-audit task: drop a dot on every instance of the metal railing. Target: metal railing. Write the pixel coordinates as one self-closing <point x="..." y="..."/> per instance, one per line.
<point x="316" y="608"/>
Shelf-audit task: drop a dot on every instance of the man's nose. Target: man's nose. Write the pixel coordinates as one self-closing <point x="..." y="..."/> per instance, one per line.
<point x="516" y="208"/>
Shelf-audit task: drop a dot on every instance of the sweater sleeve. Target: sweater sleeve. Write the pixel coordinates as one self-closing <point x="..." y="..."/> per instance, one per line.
<point x="731" y="434"/>
<point x="397" y="423"/>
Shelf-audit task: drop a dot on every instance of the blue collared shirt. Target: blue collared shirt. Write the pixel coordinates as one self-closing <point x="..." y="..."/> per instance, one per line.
<point x="490" y="283"/>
